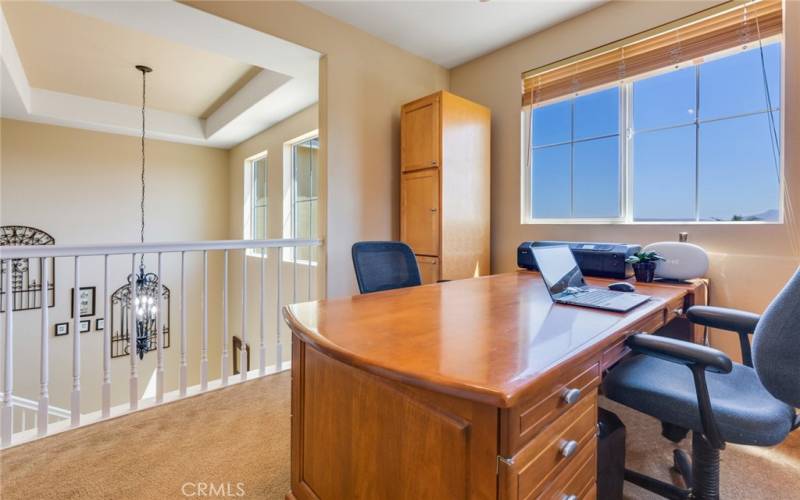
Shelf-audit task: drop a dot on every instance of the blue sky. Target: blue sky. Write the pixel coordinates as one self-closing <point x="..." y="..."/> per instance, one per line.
<point x="724" y="162"/>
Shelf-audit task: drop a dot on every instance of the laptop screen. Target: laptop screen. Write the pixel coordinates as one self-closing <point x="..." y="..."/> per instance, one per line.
<point x="558" y="268"/>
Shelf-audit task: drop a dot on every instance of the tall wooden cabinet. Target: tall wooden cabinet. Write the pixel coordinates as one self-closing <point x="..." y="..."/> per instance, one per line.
<point x="445" y="185"/>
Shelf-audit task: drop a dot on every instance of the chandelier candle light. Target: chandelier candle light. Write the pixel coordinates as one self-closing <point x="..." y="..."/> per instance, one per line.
<point x="147" y="285"/>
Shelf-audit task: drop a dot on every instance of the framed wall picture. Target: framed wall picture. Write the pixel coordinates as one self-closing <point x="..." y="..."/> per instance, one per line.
<point x="62" y="329"/>
<point x="100" y="324"/>
<point x="86" y="325"/>
<point x="86" y="298"/>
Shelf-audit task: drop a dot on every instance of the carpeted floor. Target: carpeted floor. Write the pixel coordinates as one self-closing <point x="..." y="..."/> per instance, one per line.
<point x="241" y="435"/>
<point x="235" y="435"/>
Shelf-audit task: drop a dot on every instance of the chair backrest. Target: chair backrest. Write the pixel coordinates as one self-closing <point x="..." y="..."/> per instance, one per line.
<point x="384" y="265"/>
<point x="776" y="344"/>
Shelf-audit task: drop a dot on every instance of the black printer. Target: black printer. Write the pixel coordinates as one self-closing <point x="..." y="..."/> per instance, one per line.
<point x="605" y="260"/>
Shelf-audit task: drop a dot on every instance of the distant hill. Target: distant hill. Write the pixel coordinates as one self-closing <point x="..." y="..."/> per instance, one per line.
<point x="766" y="215"/>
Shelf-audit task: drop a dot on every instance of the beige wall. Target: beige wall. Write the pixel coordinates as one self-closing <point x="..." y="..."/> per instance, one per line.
<point x="82" y="187"/>
<point x="749" y="263"/>
<point x="363" y="83"/>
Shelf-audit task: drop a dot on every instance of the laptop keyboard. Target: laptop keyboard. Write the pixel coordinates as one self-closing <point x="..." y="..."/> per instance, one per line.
<point x="595" y="297"/>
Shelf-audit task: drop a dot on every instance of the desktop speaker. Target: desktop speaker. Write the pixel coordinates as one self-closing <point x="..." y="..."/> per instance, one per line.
<point x="683" y="261"/>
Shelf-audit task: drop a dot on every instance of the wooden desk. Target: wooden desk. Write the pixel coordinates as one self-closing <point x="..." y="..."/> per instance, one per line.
<point x="455" y="390"/>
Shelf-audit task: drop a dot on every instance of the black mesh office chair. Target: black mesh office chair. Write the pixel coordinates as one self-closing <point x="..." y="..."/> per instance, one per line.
<point x="384" y="265"/>
<point x="691" y="387"/>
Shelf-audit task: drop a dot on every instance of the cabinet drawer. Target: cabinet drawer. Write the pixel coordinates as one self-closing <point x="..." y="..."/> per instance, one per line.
<point x="537" y="466"/>
<point x="428" y="269"/>
<point x="527" y="419"/>
<point x="578" y="479"/>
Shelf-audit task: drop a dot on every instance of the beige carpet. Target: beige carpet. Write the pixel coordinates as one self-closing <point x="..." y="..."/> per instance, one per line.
<point x="234" y="435"/>
<point x="241" y="435"/>
<point x="747" y="472"/>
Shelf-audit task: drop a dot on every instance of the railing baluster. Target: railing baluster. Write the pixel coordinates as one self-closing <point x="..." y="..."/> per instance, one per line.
<point x="183" y="368"/>
<point x="160" y="331"/>
<point x="204" y="339"/>
<point x="134" y="377"/>
<point x="106" y="411"/>
<point x="278" y="353"/>
<point x="224" y="374"/>
<point x="243" y="349"/>
<point x="75" y="406"/>
<point x="44" y="353"/>
<point x="8" y="361"/>
<point x="262" y="349"/>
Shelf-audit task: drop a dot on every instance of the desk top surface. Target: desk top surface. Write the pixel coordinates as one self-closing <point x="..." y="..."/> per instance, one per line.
<point x="487" y="339"/>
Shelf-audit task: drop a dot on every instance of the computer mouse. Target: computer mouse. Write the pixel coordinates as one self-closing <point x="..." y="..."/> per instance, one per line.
<point x="622" y="286"/>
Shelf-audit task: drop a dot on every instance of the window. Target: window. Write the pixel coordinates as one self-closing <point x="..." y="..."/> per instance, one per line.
<point x="255" y="198"/>
<point x="700" y="143"/>
<point x="576" y="171"/>
<point x="303" y="203"/>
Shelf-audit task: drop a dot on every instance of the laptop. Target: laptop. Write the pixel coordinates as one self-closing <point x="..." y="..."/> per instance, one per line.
<point x="565" y="282"/>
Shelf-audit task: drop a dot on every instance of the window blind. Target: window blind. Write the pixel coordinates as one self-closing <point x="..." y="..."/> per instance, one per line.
<point x="733" y="24"/>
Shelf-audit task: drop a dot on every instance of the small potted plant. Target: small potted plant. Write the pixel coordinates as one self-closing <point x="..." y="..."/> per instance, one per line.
<point x="644" y="265"/>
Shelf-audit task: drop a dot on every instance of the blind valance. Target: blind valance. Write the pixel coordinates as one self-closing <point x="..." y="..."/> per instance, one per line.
<point x="733" y="24"/>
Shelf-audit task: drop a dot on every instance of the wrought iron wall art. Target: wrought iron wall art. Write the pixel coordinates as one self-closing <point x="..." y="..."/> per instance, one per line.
<point x="26" y="274"/>
<point x="146" y="324"/>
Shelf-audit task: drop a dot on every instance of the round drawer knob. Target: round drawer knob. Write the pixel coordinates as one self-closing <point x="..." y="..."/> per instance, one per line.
<point x="569" y="497"/>
<point x="568" y="448"/>
<point x="570" y="396"/>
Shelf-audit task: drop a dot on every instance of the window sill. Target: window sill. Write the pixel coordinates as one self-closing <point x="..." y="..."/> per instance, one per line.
<point x="605" y="222"/>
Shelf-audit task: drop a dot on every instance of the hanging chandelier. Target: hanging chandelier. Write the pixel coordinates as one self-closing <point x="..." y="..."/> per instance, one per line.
<point x="147" y="286"/>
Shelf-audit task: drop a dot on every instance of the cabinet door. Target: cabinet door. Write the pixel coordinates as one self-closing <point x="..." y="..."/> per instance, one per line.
<point x="419" y="211"/>
<point x="428" y="269"/>
<point x="419" y="134"/>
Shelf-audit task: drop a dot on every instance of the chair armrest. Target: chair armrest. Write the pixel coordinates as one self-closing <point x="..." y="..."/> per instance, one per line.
<point x="732" y="320"/>
<point x="742" y="322"/>
<point x="699" y="359"/>
<point x="681" y="352"/>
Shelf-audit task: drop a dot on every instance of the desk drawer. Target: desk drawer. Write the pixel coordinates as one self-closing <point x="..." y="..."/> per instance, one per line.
<point x="617" y="351"/>
<point x="540" y="463"/>
<point x="578" y="479"/>
<point x="528" y="418"/>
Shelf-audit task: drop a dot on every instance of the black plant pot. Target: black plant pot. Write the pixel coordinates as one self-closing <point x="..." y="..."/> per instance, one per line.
<point x="645" y="271"/>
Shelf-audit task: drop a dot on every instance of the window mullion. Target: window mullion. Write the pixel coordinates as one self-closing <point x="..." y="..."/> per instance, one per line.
<point x="697" y="144"/>
<point x="626" y="142"/>
<point x="572" y="159"/>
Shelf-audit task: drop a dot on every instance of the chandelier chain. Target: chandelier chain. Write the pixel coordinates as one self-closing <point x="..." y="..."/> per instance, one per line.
<point x="141" y="206"/>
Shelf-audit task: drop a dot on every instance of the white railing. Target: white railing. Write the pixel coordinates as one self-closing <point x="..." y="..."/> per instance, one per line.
<point x="195" y="304"/>
<point x="26" y="413"/>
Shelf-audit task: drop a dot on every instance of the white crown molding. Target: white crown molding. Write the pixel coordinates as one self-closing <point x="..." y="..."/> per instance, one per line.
<point x="288" y="85"/>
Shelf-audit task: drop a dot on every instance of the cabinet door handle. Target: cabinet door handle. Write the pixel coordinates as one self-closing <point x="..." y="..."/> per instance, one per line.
<point x="433" y="163"/>
<point x="570" y="396"/>
<point x="434" y="209"/>
<point x="568" y="448"/>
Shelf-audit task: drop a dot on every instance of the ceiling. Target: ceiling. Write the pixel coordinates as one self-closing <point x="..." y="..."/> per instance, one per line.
<point x="214" y="82"/>
<point x="67" y="52"/>
<point x="452" y="32"/>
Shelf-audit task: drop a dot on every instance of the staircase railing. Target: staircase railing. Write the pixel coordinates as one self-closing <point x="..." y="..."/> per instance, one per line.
<point x="169" y="262"/>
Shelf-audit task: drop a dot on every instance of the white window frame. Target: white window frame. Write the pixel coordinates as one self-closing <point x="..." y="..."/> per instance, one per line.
<point x="289" y="194"/>
<point x="248" y="206"/>
<point x="626" y="150"/>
